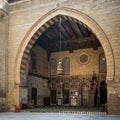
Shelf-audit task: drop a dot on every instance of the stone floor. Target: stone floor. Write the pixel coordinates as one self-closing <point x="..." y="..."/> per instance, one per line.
<point x="54" y="116"/>
<point x="65" y="109"/>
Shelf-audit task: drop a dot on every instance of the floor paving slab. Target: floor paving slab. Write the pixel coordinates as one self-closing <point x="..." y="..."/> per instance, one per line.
<point x="54" y="116"/>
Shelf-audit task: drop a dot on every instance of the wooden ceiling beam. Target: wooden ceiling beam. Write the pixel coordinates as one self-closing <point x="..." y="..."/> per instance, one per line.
<point x="62" y="34"/>
<point x="79" y="40"/>
<point x="68" y="34"/>
<point x="67" y="27"/>
<point x="63" y="27"/>
<point x="81" y="30"/>
<point x="55" y="30"/>
<point x="72" y="29"/>
<point x="71" y="35"/>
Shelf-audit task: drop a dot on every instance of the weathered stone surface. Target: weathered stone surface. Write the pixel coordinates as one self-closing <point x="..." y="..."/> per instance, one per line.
<point x="113" y="105"/>
<point x="4" y="6"/>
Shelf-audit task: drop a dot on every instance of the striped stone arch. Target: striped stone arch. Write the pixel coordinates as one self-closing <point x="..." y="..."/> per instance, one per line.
<point x="45" y="22"/>
<point x="35" y="37"/>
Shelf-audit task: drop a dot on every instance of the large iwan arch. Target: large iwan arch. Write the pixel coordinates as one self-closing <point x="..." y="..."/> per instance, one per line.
<point x="42" y="24"/>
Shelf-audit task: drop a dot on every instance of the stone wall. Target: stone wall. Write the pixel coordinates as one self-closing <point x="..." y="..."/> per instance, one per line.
<point x="78" y="68"/>
<point x="4" y="6"/>
<point x="42" y="89"/>
<point x="113" y="102"/>
<point x="41" y="61"/>
<point x="3" y="57"/>
<point x="23" y="15"/>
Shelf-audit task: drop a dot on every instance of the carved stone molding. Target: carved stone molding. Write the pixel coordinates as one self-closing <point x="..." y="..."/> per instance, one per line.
<point x="69" y="82"/>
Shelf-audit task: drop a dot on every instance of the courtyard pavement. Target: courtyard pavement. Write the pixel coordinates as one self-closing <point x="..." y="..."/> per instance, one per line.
<point x="54" y="116"/>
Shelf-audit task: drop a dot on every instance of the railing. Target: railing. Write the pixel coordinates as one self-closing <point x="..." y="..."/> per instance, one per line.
<point x="4" y="6"/>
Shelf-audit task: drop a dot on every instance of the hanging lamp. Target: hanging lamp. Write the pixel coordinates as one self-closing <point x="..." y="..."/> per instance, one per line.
<point x="59" y="62"/>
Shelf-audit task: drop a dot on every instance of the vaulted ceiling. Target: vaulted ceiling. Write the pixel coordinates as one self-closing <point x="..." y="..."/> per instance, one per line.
<point x="67" y="34"/>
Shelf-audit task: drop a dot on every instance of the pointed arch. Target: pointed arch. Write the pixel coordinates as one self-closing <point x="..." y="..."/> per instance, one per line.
<point x="42" y="24"/>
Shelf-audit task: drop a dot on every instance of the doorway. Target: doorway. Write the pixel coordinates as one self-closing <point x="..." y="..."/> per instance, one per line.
<point x="34" y="96"/>
<point x="53" y="97"/>
<point x="65" y="96"/>
<point x="103" y="92"/>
